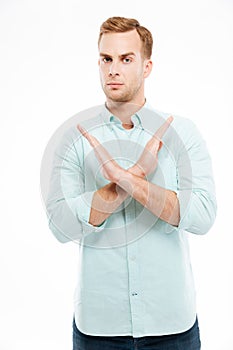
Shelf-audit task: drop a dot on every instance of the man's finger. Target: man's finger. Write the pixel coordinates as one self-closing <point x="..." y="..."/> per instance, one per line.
<point x="91" y="139"/>
<point x="163" y="128"/>
<point x="101" y="153"/>
<point x="81" y="129"/>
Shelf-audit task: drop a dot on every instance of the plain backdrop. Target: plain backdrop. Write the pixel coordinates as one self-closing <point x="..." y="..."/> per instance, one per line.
<point x="48" y="73"/>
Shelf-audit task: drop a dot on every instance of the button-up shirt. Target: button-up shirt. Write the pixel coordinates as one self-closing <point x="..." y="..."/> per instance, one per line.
<point x="135" y="276"/>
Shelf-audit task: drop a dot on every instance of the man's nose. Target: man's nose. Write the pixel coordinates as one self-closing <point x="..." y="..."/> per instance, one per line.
<point x="114" y="69"/>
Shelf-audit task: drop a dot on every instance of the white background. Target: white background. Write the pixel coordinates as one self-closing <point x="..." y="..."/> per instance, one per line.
<point x="48" y="73"/>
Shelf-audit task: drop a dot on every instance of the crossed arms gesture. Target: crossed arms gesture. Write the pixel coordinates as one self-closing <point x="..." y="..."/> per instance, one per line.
<point x="131" y="182"/>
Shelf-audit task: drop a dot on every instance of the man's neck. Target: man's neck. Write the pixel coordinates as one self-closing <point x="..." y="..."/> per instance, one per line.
<point x="124" y="111"/>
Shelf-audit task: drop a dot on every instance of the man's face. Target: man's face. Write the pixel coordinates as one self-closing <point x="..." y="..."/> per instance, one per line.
<point x="122" y="67"/>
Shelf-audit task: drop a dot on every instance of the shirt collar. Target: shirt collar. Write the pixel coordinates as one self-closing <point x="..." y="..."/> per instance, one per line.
<point x="137" y="118"/>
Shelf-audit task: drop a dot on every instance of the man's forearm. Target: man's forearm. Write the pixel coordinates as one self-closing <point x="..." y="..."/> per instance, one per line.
<point x="105" y="201"/>
<point x="161" y="202"/>
<point x="108" y="198"/>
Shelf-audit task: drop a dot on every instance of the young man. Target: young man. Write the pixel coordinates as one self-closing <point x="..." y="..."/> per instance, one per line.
<point x="129" y="184"/>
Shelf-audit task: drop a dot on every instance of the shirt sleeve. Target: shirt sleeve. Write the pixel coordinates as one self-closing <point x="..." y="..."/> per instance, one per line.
<point x="195" y="183"/>
<point x="68" y="205"/>
<point x="196" y="189"/>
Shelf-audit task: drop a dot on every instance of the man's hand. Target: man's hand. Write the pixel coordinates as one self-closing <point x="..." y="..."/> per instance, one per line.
<point x="109" y="167"/>
<point x="146" y="163"/>
<point x="148" y="160"/>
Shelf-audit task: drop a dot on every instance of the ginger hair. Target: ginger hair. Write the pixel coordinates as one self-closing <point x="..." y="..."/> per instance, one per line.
<point x="121" y="25"/>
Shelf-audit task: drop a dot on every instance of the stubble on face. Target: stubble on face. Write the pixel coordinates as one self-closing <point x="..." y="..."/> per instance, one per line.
<point x="125" y="93"/>
<point x="130" y="77"/>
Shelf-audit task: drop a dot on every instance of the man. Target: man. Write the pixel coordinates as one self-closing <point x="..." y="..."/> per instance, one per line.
<point x="128" y="184"/>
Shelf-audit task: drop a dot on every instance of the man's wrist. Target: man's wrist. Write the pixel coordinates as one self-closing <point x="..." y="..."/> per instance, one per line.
<point x="136" y="170"/>
<point x="126" y="180"/>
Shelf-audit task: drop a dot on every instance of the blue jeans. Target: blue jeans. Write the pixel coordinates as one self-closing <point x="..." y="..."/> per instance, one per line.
<point x="189" y="340"/>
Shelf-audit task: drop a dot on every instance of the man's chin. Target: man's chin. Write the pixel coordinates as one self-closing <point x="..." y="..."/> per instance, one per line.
<point x="117" y="97"/>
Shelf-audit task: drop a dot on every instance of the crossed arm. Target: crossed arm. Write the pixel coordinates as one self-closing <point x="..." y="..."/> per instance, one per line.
<point x="132" y="182"/>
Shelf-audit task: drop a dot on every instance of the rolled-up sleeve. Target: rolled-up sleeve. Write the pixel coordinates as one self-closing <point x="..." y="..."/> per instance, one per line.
<point x="196" y="189"/>
<point x="68" y="205"/>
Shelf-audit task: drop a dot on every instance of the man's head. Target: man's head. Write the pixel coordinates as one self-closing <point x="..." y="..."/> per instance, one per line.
<point x="125" y="49"/>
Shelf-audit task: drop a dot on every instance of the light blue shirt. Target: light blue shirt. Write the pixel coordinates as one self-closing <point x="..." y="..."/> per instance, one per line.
<point x="135" y="275"/>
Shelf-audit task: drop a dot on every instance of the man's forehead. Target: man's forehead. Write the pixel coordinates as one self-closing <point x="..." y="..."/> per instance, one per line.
<point x="121" y="42"/>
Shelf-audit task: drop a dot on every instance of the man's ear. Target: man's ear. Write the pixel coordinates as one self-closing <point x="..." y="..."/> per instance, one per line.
<point x="148" y="64"/>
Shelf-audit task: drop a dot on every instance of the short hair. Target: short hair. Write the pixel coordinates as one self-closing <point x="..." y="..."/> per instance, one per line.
<point x="121" y="25"/>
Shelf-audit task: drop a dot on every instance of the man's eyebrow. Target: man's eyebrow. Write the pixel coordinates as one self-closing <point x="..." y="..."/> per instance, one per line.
<point x="131" y="53"/>
<point x="104" y="54"/>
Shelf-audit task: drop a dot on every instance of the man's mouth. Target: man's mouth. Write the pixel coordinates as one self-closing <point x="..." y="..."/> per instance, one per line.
<point x="114" y="84"/>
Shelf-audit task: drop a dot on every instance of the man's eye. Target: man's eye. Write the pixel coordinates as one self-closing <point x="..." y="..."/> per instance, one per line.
<point x="107" y="59"/>
<point x="127" y="60"/>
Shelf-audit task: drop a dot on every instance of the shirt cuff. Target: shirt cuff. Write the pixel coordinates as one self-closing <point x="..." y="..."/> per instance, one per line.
<point x="83" y="209"/>
<point x="184" y="203"/>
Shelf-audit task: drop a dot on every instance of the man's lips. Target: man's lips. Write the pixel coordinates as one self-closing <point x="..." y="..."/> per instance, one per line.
<point x="114" y="84"/>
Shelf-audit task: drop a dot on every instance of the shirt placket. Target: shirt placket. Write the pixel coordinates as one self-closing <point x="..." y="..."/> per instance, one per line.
<point x="133" y="263"/>
<point x="135" y="295"/>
